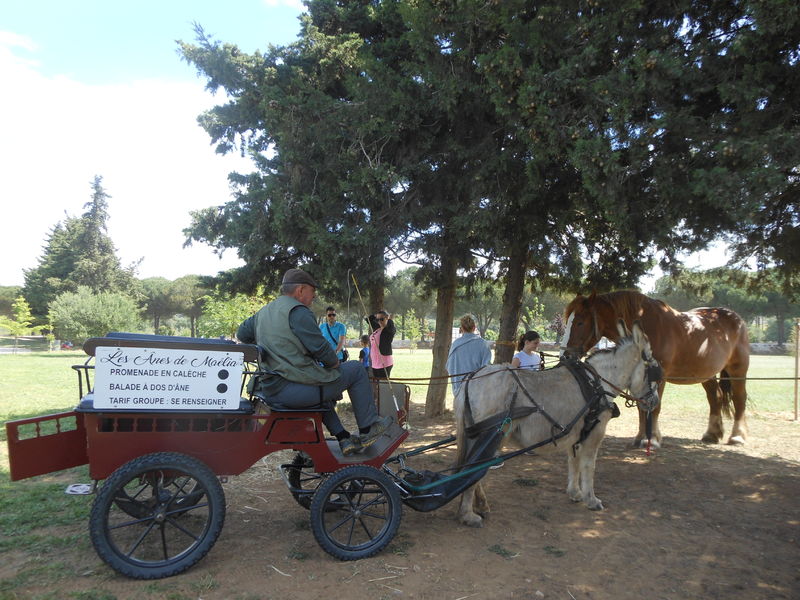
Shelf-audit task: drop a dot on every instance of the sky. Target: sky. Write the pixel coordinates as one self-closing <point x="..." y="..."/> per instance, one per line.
<point x="97" y="87"/>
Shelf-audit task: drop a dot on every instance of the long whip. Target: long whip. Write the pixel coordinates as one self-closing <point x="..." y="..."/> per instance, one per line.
<point x="400" y="413"/>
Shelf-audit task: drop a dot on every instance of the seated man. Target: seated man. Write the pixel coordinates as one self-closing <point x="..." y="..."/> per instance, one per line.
<point x="300" y="368"/>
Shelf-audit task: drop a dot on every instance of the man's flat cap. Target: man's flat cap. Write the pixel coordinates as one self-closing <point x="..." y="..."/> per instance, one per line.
<point x="297" y="276"/>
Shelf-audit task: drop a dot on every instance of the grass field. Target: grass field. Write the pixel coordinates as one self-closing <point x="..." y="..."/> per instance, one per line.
<point x="36" y="383"/>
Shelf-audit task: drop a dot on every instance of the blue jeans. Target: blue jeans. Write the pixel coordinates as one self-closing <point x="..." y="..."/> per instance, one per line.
<point x="352" y="377"/>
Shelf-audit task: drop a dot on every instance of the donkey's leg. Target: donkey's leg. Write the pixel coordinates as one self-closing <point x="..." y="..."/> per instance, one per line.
<point x="737" y="370"/>
<point x="587" y="458"/>
<point x="716" y="430"/>
<point x="481" y="503"/>
<point x="574" y="474"/>
<point x="466" y="514"/>
<point x="640" y="441"/>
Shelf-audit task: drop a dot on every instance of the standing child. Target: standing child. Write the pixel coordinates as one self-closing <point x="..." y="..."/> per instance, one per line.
<point x="363" y="356"/>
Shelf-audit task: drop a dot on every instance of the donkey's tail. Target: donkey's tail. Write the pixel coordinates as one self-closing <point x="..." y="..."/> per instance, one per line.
<point x="725" y="386"/>
<point x="461" y="437"/>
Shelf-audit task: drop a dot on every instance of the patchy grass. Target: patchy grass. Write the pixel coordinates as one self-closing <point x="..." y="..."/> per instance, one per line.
<point x="553" y="551"/>
<point x="501" y="551"/>
<point x="526" y="482"/>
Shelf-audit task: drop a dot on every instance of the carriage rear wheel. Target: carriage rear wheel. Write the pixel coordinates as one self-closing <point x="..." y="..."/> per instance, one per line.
<point x="301" y="476"/>
<point x="356" y="512"/>
<point x="157" y="515"/>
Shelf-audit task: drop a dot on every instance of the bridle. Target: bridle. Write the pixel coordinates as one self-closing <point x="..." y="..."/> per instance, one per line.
<point x="649" y="401"/>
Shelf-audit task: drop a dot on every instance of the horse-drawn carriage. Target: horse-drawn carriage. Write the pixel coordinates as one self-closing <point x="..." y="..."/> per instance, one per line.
<point x="164" y="420"/>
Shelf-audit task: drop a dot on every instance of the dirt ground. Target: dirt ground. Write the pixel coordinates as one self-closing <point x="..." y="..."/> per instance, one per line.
<point x="690" y="521"/>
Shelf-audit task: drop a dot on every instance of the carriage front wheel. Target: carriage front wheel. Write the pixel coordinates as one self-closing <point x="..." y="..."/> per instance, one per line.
<point x="355" y="512"/>
<point x="157" y="515"/>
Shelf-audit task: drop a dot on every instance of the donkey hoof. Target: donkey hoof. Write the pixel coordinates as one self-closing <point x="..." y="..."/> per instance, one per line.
<point x="471" y="520"/>
<point x="596" y="505"/>
<point x="736" y="440"/>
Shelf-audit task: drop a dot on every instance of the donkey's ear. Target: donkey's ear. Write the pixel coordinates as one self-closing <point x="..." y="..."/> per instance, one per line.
<point x="623" y="329"/>
<point x="639" y="335"/>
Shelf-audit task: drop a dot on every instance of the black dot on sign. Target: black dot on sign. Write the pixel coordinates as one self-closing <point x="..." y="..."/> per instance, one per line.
<point x="223" y="374"/>
<point x="222" y="388"/>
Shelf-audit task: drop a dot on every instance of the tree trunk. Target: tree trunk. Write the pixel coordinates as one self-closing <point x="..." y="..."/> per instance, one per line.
<point x="512" y="305"/>
<point x="445" y="308"/>
<point x="780" y="328"/>
<point x="376" y="298"/>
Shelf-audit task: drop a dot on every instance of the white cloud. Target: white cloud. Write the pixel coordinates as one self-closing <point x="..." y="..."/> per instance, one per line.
<point x="142" y="138"/>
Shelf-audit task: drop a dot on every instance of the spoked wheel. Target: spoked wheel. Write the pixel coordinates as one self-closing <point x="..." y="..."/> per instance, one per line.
<point x="355" y="512"/>
<point x="157" y="515"/>
<point x="301" y="476"/>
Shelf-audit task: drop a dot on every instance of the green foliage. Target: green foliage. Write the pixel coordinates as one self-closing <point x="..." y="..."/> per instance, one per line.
<point x="78" y="252"/>
<point x="223" y="313"/>
<point x="77" y="316"/>
<point x="413" y="330"/>
<point x="8" y="294"/>
<point x="750" y="295"/>
<point x="21" y="323"/>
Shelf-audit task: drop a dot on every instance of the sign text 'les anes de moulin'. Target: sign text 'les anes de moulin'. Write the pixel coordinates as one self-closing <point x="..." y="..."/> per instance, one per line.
<point x="166" y="379"/>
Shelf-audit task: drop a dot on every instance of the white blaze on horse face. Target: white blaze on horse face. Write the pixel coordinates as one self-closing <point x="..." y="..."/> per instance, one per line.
<point x="567" y="332"/>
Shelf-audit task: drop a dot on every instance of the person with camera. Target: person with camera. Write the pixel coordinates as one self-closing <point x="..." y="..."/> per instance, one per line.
<point x="380" y="341"/>
<point x="335" y="332"/>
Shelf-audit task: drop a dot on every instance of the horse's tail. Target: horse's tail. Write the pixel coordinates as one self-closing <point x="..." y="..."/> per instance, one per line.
<point x="727" y="397"/>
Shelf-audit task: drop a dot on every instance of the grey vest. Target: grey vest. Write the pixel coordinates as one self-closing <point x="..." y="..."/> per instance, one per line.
<point x="286" y="356"/>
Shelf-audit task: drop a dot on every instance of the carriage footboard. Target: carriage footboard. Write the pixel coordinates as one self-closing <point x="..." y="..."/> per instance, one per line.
<point x="45" y="444"/>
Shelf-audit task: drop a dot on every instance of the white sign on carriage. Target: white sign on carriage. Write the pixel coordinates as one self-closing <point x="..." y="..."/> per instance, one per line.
<point x="167" y="379"/>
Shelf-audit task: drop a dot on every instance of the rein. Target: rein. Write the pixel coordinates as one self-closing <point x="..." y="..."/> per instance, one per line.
<point x="592" y="391"/>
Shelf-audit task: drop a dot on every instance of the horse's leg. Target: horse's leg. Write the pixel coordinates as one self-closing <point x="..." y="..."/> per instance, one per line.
<point x="716" y="430"/>
<point x="640" y="441"/>
<point x="466" y="514"/>
<point x="737" y="370"/>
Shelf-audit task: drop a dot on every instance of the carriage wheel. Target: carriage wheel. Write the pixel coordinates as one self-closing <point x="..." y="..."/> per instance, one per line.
<point x="301" y="476"/>
<point x="355" y="512"/>
<point x="157" y="515"/>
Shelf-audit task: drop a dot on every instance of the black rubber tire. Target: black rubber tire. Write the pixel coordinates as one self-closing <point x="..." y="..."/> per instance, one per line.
<point x="157" y="515"/>
<point x="356" y="512"/>
<point x="301" y="475"/>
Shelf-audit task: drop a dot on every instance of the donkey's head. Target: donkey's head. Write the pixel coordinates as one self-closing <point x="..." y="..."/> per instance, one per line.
<point x="645" y="372"/>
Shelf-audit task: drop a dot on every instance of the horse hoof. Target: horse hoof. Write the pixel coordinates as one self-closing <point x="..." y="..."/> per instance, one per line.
<point x="736" y="440"/>
<point x="709" y="439"/>
<point x="596" y="506"/>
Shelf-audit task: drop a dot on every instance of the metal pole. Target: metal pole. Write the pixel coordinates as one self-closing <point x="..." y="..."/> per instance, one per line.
<point x="796" y="364"/>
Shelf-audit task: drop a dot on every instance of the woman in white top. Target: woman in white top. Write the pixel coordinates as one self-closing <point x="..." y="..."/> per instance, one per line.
<point x="528" y="357"/>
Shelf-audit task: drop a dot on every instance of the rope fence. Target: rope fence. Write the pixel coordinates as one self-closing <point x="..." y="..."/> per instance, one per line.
<point x="445" y="379"/>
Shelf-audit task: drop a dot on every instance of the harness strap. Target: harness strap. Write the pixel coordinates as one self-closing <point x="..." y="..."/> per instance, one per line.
<point x="550" y="419"/>
<point x="516" y="412"/>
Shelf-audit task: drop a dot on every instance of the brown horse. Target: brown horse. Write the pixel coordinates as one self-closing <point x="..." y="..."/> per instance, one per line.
<point x="692" y="347"/>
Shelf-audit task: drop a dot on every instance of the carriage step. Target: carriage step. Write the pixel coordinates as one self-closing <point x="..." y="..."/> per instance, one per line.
<point x="80" y="489"/>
